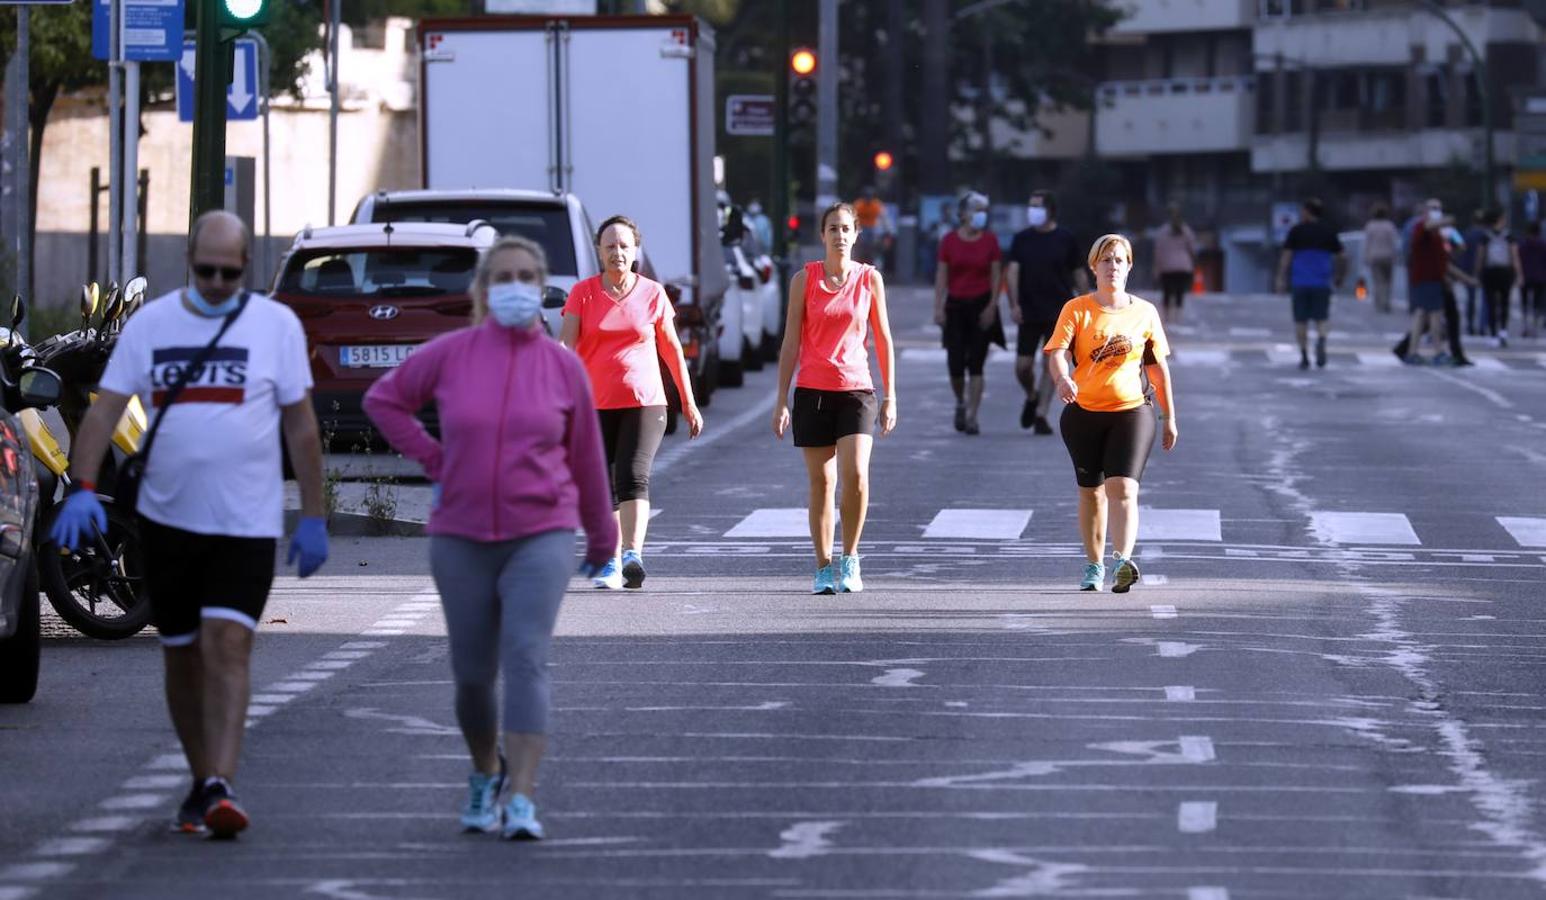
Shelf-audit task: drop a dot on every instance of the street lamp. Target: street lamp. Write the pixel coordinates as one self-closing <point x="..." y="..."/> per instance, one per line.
<point x="1480" y="73"/>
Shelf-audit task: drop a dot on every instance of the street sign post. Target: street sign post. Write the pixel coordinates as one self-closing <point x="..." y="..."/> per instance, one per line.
<point x="152" y="29"/>
<point x="241" y="96"/>
<point x="751" y="115"/>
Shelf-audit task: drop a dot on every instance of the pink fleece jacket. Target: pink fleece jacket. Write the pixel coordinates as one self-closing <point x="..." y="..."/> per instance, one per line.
<point x="520" y="450"/>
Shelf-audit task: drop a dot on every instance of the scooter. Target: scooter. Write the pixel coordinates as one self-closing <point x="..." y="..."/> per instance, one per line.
<point x="98" y="588"/>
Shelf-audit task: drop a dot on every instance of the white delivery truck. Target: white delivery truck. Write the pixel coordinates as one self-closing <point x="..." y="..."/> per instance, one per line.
<point x="618" y="110"/>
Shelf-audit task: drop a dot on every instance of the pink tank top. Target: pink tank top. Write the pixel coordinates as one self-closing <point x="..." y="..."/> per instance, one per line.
<point x="833" y="356"/>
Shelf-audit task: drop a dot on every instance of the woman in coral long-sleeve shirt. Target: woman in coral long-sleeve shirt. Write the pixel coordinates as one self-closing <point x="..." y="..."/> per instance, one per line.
<point x="519" y="467"/>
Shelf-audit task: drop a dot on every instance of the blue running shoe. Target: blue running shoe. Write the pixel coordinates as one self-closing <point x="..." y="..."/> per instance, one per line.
<point x="521" y="820"/>
<point x="633" y="570"/>
<point x="848" y="580"/>
<point x="1125" y="576"/>
<point x="826" y="581"/>
<point x="190" y="815"/>
<point x="1094" y="577"/>
<point x="610" y="578"/>
<point x="482" y="811"/>
<point x="223" y="815"/>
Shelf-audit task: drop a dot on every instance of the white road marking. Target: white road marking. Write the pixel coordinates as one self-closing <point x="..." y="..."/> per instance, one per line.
<point x="8" y="892"/>
<point x="383" y="632"/>
<point x="134" y="801"/>
<point x="1207" y="893"/>
<point x="1163" y="611"/>
<point x="406" y="724"/>
<point x="271" y="699"/>
<point x="1197" y="816"/>
<point x="325" y="664"/>
<point x="1491" y="396"/>
<point x="1527" y="531"/>
<point x="1178" y="524"/>
<point x="714" y="432"/>
<point x="805" y="839"/>
<point x="155" y="782"/>
<point x="174" y="761"/>
<point x="1176" y="649"/>
<point x="107" y="823"/>
<point x="36" y="871"/>
<point x="71" y="846"/>
<point x="898" y="678"/>
<point x="1244" y="331"/>
<point x="312" y="675"/>
<point x="788" y="522"/>
<point x="1044" y="878"/>
<point x="1197" y="748"/>
<point x="1362" y="528"/>
<point x="1489" y="364"/>
<point x="979" y="524"/>
<point x="346" y="654"/>
<point x="1380" y="360"/>
<point x="256" y="711"/>
<point x="1194" y="357"/>
<point x="1155" y="580"/>
<point x="363" y="645"/>
<point x="1180" y="693"/>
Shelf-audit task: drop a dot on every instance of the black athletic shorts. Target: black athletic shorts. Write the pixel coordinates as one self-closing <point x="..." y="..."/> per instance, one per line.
<point x="631" y="436"/>
<point x="194" y="576"/>
<point x="1108" y="444"/>
<point x="819" y="418"/>
<point x="1033" y="336"/>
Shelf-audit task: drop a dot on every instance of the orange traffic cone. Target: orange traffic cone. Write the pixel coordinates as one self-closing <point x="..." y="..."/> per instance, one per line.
<point x="1197" y="285"/>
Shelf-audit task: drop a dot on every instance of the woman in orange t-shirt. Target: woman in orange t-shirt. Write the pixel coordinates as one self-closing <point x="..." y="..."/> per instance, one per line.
<point x="620" y="325"/>
<point x="833" y="302"/>
<point x="1115" y="339"/>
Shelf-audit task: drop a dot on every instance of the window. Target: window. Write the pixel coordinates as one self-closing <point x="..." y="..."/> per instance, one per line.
<point x="1436" y="82"/>
<point x="1265" y="91"/>
<point x="546" y="224"/>
<point x="1473" y="101"/>
<point x="1293" y="101"/>
<point x="379" y="272"/>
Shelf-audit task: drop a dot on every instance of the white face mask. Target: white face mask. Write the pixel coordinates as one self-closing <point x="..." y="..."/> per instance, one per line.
<point x="1435" y="215"/>
<point x="1036" y="216"/>
<point x="515" y="304"/>
<point x="979" y="219"/>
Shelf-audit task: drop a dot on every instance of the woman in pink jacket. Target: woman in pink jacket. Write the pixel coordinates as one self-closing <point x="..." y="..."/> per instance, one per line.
<point x="519" y="468"/>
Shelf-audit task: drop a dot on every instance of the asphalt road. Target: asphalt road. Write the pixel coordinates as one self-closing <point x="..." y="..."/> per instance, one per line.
<point x="1328" y="684"/>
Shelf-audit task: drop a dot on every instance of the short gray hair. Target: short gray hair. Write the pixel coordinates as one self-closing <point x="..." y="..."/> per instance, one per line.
<point x="216" y="214"/>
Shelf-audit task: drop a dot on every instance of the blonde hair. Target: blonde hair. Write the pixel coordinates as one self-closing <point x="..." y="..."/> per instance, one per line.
<point x="480" y="278"/>
<point x="1103" y="243"/>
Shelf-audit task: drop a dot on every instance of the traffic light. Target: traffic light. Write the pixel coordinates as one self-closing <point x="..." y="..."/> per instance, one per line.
<point x="884" y="161"/>
<point x="802" y="86"/>
<point x="241" y="15"/>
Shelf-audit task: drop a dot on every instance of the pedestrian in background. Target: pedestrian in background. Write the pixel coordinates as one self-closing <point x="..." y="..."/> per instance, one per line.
<point x="1463" y="247"/>
<point x="621" y="325"/>
<point x="833" y="302"/>
<point x="966" y="305"/>
<point x="520" y="467"/>
<point x="1498" y="268"/>
<point x="760" y="224"/>
<point x="1175" y="259"/>
<point x="1046" y="270"/>
<point x="226" y="373"/>
<point x="874" y="228"/>
<point x="1532" y="284"/>
<point x="1381" y="243"/>
<point x="1312" y="263"/>
<point x="1428" y="274"/>
<point x="1112" y="340"/>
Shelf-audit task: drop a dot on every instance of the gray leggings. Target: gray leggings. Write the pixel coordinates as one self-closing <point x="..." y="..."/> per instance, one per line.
<point x="501" y="602"/>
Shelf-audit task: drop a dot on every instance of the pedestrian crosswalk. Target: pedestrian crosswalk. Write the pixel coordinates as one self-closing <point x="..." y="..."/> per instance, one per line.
<point x="1336" y="528"/>
<point x="1276" y="355"/>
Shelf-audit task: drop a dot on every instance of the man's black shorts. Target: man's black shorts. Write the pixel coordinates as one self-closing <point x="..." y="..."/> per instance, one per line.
<point x="819" y="418"/>
<point x="1033" y="336"/>
<point x="192" y="576"/>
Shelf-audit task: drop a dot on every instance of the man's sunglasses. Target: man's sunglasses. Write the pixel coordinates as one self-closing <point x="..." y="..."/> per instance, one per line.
<point x="227" y="273"/>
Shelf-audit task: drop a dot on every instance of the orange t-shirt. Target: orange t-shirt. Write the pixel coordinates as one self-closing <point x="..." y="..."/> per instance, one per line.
<point x="833" y="356"/>
<point x="867" y="212"/>
<point x="1110" y="347"/>
<point x="619" y="341"/>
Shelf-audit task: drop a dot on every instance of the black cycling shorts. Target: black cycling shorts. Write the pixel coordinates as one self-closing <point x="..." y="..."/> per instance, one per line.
<point x="965" y="340"/>
<point x="192" y="576"/>
<point x="631" y="436"/>
<point x="1033" y="336"/>
<point x="1108" y="444"/>
<point x="819" y="418"/>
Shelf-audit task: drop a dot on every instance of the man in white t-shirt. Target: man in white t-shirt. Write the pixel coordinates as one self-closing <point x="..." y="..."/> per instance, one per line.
<point x="211" y="502"/>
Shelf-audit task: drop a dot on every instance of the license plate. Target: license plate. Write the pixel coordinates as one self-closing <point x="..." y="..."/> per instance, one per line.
<point x="375" y="356"/>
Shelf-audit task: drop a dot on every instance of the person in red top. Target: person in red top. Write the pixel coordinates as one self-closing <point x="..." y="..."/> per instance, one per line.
<point x="833" y="303"/>
<point x="620" y="324"/>
<point x="966" y="304"/>
<point x="1427" y="275"/>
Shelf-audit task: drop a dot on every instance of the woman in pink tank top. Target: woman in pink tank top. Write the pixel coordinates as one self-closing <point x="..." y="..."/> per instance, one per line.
<point x="833" y="305"/>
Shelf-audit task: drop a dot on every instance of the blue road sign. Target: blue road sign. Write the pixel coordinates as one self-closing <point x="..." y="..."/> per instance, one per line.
<point x="152" y="31"/>
<point x="241" y="96"/>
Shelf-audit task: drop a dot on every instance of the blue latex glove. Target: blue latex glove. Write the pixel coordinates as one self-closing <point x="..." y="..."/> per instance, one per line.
<point x="80" y="517"/>
<point x="309" y="545"/>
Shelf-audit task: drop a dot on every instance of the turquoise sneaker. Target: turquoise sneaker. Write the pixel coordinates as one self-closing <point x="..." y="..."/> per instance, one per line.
<point x="633" y="570"/>
<point x="610" y="578"/>
<point x="521" y="820"/>
<point x="1125" y="576"/>
<point x="826" y="581"/>
<point x="482" y="811"/>
<point x="1094" y="577"/>
<point x="848" y="580"/>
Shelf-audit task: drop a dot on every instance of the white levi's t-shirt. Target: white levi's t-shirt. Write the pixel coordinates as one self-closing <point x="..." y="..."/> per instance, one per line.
<point x="215" y="464"/>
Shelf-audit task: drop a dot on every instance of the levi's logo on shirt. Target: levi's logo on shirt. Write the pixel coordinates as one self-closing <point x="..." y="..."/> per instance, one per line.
<point x="221" y="379"/>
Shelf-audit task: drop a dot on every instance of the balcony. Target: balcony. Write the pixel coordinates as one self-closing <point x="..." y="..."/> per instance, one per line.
<point x="1159" y="16"/>
<point x="1179" y="115"/>
<point x="1354" y="151"/>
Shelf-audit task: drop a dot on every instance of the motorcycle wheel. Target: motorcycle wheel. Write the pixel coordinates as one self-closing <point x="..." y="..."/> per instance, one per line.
<point x="100" y="598"/>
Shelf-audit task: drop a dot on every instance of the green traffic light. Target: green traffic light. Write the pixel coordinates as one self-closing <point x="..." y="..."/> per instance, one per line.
<point x="243" y="13"/>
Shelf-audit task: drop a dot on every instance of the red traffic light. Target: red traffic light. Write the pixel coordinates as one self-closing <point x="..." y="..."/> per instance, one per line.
<point x="802" y="61"/>
<point x="883" y="161"/>
<point x="793" y="222"/>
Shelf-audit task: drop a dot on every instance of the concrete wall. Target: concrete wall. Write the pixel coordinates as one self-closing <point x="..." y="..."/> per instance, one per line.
<point x="1153" y="16"/>
<point x="1183" y="115"/>
<point x="1343" y="151"/>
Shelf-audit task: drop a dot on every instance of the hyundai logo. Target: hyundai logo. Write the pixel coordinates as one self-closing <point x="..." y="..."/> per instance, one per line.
<point x="383" y="312"/>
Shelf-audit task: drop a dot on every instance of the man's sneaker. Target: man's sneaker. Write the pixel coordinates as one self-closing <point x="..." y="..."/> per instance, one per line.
<point x="1304" y="361"/>
<point x="848" y="581"/>
<point x="1502" y="338"/>
<point x="826" y="580"/>
<point x="1125" y="576"/>
<point x="1443" y="359"/>
<point x="960" y="422"/>
<point x="521" y="820"/>
<point x="1094" y="577"/>
<point x="1320" y="353"/>
<point x="1028" y="415"/>
<point x="1043" y="426"/>
<point x="190" y="815"/>
<point x="610" y="578"/>
<point x="1412" y="359"/>
<point x="223" y="816"/>
<point x="482" y="811"/>
<point x="633" y="569"/>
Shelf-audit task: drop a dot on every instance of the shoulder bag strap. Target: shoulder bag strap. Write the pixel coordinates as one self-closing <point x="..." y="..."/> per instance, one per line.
<point x="198" y="362"/>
